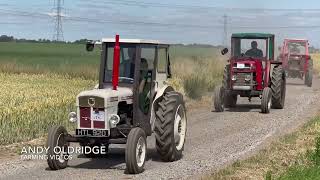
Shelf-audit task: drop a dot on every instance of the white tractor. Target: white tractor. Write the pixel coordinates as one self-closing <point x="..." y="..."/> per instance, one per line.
<point x="131" y="101"/>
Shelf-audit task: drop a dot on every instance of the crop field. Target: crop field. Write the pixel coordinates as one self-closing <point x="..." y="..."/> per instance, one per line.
<point x="31" y="103"/>
<point x="69" y="59"/>
<point x="316" y="62"/>
<point x="39" y="82"/>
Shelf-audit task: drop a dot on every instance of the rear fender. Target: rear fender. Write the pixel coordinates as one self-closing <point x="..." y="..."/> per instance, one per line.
<point x="157" y="98"/>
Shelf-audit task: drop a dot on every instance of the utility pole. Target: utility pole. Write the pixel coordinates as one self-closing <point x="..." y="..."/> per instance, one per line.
<point x="225" y="30"/>
<point x="57" y="13"/>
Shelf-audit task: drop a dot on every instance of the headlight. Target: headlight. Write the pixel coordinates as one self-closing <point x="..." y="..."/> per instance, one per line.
<point x="73" y="117"/>
<point x="114" y="119"/>
<point x="234" y="78"/>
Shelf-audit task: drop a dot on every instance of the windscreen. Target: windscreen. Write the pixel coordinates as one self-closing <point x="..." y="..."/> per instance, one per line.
<point x="127" y="63"/>
<point x="297" y="48"/>
<point x="256" y="48"/>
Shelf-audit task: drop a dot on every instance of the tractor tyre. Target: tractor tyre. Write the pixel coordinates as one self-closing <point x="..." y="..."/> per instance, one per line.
<point x="218" y="99"/>
<point x="309" y="74"/>
<point x="266" y="100"/>
<point x="56" y="138"/>
<point x="278" y="87"/>
<point x="170" y="126"/>
<point x="136" y="151"/>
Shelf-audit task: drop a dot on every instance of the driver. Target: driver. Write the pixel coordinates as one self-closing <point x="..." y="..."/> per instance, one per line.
<point x="254" y="51"/>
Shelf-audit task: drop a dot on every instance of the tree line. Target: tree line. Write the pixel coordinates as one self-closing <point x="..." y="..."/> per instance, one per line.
<point x="6" y="38"/>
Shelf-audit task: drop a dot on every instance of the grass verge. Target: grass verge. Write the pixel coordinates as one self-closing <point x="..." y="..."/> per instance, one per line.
<point x="292" y="155"/>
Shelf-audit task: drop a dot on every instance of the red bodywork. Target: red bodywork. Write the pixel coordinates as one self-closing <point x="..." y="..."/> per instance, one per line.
<point x="116" y="63"/>
<point x="253" y="66"/>
<point x="285" y="55"/>
<point x="85" y="118"/>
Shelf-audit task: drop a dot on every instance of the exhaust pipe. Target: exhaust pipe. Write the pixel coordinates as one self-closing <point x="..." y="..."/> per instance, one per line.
<point x="116" y="63"/>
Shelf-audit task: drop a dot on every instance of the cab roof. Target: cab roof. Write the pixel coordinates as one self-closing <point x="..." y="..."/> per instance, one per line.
<point x="134" y="41"/>
<point x="252" y="35"/>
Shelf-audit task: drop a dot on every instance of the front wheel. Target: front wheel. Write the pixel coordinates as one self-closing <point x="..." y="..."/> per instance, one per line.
<point x="136" y="151"/>
<point x="266" y="100"/>
<point x="57" y="155"/>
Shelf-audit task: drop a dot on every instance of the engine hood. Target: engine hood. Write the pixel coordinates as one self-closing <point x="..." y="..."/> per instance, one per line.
<point x="109" y="96"/>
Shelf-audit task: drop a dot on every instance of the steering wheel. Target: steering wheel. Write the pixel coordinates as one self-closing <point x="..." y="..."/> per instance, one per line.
<point x="126" y="79"/>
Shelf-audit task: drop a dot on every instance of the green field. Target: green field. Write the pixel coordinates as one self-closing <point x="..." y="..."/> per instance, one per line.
<point x="70" y="59"/>
<point x="35" y="58"/>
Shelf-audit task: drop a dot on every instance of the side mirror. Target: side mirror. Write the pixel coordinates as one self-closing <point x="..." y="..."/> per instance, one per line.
<point x="90" y="46"/>
<point x="224" y="51"/>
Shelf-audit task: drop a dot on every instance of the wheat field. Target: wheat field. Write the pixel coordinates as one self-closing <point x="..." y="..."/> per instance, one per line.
<point x="29" y="104"/>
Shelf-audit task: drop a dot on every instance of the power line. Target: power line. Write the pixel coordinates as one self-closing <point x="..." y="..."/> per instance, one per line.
<point x="58" y="31"/>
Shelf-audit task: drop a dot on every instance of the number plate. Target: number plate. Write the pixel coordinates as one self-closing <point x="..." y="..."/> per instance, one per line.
<point x="240" y="65"/>
<point x="97" y="116"/>
<point x="92" y="132"/>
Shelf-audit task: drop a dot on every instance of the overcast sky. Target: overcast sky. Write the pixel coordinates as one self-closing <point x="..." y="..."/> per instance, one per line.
<point x="183" y="21"/>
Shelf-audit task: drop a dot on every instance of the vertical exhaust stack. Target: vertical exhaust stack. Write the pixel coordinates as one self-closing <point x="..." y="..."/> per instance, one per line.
<point x="116" y="63"/>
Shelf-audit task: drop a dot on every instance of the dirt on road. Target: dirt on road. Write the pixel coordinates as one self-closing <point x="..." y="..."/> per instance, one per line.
<point x="213" y="141"/>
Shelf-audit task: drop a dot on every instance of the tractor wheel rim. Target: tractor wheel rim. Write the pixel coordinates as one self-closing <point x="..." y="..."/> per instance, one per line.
<point x="180" y="126"/>
<point x="62" y="153"/>
<point x="141" y="151"/>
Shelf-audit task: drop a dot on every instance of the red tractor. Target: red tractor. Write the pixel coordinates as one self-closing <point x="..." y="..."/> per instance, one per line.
<point x="296" y="60"/>
<point x="252" y="72"/>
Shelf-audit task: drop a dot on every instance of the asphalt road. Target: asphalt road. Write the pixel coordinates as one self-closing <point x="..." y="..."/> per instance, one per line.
<point x="213" y="140"/>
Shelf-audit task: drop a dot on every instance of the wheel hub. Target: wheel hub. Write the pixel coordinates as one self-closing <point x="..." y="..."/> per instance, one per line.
<point x="140" y="152"/>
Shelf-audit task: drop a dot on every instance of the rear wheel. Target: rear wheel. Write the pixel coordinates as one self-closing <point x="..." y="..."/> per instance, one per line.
<point x="57" y="155"/>
<point x="266" y="100"/>
<point x="309" y="74"/>
<point x="136" y="151"/>
<point x="170" y="127"/>
<point x="278" y="87"/>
